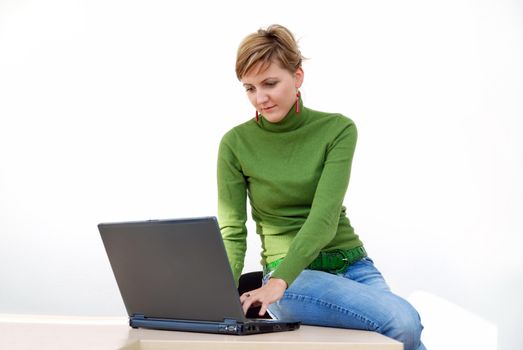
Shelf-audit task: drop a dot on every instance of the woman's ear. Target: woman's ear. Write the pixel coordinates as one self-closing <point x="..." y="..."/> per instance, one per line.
<point x="298" y="77"/>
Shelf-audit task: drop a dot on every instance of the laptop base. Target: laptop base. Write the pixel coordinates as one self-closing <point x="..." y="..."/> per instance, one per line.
<point x="228" y="326"/>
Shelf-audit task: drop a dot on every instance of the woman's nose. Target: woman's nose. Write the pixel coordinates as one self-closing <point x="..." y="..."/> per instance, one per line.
<point x="261" y="97"/>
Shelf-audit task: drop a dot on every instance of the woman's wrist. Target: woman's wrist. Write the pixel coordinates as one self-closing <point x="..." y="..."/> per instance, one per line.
<point x="278" y="282"/>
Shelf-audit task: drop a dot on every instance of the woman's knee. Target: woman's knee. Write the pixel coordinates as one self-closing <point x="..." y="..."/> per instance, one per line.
<point x="405" y="325"/>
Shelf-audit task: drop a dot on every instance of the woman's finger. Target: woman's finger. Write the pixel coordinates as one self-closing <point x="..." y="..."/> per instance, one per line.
<point x="244" y="296"/>
<point x="246" y="305"/>
<point x="263" y="309"/>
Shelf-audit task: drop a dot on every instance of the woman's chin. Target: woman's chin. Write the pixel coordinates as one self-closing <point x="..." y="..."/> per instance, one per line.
<point x="273" y="118"/>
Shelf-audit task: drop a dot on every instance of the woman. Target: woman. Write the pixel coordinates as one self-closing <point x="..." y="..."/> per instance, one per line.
<point x="294" y="164"/>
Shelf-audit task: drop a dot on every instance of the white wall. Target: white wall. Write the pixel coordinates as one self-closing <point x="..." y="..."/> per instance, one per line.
<point x="113" y="110"/>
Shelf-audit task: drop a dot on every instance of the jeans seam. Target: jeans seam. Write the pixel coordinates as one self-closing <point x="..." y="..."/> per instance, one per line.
<point x="305" y="298"/>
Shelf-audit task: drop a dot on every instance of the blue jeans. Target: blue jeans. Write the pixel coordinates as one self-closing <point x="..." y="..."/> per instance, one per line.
<point x="357" y="299"/>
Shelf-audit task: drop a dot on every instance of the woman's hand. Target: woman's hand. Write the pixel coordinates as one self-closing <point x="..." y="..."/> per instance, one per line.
<point x="271" y="292"/>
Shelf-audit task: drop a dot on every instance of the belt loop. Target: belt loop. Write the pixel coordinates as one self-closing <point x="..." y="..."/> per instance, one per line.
<point x="324" y="260"/>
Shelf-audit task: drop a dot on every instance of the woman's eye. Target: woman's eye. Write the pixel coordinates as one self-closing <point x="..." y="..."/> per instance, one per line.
<point x="271" y="83"/>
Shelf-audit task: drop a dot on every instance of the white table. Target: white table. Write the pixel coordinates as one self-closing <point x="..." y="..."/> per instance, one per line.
<point x="19" y="332"/>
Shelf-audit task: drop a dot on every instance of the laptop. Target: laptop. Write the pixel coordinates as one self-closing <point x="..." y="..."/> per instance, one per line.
<point x="174" y="275"/>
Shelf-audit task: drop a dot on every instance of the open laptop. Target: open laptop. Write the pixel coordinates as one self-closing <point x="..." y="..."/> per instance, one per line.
<point x="175" y="275"/>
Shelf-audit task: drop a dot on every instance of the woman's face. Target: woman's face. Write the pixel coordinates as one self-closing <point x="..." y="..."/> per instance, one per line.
<point x="273" y="91"/>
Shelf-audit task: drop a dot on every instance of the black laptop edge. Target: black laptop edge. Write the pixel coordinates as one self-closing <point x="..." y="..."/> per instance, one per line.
<point x="228" y="326"/>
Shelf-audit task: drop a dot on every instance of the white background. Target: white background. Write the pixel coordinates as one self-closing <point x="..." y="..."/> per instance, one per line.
<point x="113" y="110"/>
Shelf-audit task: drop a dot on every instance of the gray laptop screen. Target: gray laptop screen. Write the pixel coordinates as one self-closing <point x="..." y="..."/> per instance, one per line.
<point x="174" y="269"/>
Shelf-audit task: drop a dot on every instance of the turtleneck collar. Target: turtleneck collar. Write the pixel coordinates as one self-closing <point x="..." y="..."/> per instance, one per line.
<point x="290" y="122"/>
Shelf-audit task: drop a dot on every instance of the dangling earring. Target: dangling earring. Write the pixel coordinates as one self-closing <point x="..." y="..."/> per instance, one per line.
<point x="298" y="102"/>
<point x="257" y="116"/>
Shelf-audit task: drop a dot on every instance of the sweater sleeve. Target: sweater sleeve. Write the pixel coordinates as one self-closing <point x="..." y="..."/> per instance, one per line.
<point x="321" y="224"/>
<point x="232" y="213"/>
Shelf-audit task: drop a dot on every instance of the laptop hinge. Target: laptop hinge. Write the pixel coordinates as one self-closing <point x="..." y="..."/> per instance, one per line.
<point x="139" y="316"/>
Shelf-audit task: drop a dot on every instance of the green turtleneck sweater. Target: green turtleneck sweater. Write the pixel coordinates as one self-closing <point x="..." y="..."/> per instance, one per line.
<point x="295" y="173"/>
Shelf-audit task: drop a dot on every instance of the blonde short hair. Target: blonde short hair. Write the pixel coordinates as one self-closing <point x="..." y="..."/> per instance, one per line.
<point x="274" y="43"/>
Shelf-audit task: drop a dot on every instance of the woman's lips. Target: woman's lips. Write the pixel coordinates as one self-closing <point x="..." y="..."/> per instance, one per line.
<point x="268" y="108"/>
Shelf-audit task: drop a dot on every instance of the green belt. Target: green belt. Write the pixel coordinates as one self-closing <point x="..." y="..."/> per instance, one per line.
<point x="335" y="261"/>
